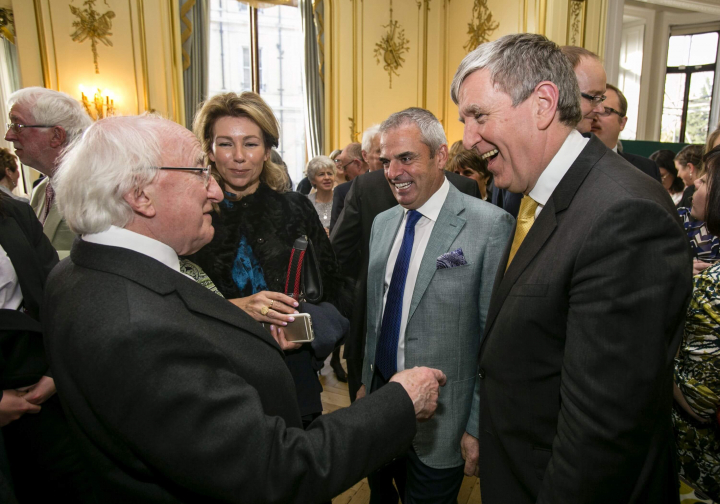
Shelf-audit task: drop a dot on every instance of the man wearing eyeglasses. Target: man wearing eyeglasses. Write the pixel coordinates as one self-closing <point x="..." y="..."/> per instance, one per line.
<point x="42" y="123"/>
<point x="351" y="161"/>
<point x="592" y="81"/>
<point x="608" y="124"/>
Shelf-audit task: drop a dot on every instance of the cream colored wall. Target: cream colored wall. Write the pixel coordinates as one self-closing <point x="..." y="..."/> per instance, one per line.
<point x="140" y="69"/>
<point x="358" y="87"/>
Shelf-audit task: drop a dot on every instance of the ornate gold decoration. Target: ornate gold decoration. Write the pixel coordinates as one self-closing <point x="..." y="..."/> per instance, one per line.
<point x="576" y="22"/>
<point x="391" y="47"/>
<point x="481" y="26"/>
<point x="102" y="106"/>
<point x="187" y="31"/>
<point x="92" y="25"/>
<point x="7" y="25"/>
<point x="354" y="135"/>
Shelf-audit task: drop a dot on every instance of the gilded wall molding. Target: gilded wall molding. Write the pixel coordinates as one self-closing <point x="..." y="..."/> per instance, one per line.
<point x="481" y="25"/>
<point x="391" y="48"/>
<point x="90" y="24"/>
<point x="7" y="25"/>
<point x="42" y="44"/>
<point x="577" y="13"/>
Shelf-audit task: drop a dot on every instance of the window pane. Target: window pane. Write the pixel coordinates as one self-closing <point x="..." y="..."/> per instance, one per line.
<point x="229" y="35"/>
<point x="703" y="49"/>
<point x="281" y="44"/>
<point x="701" y="86"/>
<point x="679" y="50"/>
<point x="672" y="107"/>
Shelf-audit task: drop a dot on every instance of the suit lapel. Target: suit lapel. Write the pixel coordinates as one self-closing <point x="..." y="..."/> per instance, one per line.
<point x="52" y="222"/>
<point x="389" y="222"/>
<point x="444" y="232"/>
<point x="542" y="229"/>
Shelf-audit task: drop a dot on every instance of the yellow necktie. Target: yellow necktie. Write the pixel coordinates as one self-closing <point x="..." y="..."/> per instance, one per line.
<point x="526" y="217"/>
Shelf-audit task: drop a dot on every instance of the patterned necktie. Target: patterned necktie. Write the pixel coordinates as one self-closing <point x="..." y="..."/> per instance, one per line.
<point x="386" y="351"/>
<point x="196" y="273"/>
<point x="526" y="217"/>
<point x="49" y="200"/>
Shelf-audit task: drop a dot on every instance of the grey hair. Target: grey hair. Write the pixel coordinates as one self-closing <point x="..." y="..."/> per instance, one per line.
<point x="53" y="108"/>
<point x="431" y="131"/>
<point x="517" y="64"/>
<point x="369" y="135"/>
<point x="318" y="163"/>
<point x="114" y="156"/>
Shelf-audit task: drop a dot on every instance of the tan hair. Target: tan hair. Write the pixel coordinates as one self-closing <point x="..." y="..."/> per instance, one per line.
<point x="712" y="138"/>
<point x="7" y="160"/>
<point x="249" y="105"/>
<point x="575" y="54"/>
<point x="692" y="154"/>
<point x="621" y="98"/>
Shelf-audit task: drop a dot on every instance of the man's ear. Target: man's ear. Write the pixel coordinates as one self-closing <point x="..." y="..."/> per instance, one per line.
<point x="365" y="156"/>
<point x="623" y="122"/>
<point x="140" y="200"/>
<point x="442" y="156"/>
<point x="58" y="137"/>
<point x="546" y="103"/>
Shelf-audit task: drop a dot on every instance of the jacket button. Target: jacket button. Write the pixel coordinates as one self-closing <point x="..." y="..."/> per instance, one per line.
<point x="261" y="240"/>
<point x="481" y="374"/>
<point x="371" y="367"/>
<point x="244" y="204"/>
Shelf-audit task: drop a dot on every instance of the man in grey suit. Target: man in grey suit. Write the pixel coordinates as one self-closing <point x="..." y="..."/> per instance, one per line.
<point x="586" y="315"/>
<point x="432" y="262"/>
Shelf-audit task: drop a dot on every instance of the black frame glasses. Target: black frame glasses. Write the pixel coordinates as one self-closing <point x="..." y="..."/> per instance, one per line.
<point x="206" y="172"/>
<point x="610" y="110"/>
<point x="596" y="100"/>
<point x="16" y="128"/>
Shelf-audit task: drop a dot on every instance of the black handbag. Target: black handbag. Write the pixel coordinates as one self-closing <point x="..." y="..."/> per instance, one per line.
<point x="304" y="281"/>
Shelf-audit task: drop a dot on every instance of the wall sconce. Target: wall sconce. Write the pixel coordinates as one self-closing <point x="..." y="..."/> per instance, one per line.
<point x="101" y="106"/>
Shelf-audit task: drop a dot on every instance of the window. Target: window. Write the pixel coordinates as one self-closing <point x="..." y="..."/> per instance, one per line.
<point x="280" y="46"/>
<point x="689" y="85"/>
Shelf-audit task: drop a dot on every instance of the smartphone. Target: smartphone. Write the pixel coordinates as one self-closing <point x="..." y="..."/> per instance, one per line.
<point x="299" y="331"/>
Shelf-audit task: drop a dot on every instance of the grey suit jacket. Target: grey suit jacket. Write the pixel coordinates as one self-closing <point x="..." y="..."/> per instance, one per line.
<point x="447" y="313"/>
<point x="55" y="227"/>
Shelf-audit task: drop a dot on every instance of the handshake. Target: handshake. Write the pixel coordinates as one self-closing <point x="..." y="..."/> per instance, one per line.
<point x="422" y="385"/>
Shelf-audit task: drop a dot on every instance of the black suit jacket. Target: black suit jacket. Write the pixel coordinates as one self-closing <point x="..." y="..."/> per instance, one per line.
<point x="176" y="395"/>
<point x="577" y="358"/>
<point x="643" y="164"/>
<point x="339" y="195"/>
<point x="370" y="195"/>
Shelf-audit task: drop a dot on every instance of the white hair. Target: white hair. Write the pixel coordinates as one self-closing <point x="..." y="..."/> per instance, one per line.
<point x="113" y="157"/>
<point x="318" y="163"/>
<point x="432" y="133"/>
<point x="368" y="136"/>
<point x="53" y="108"/>
<point x="517" y="64"/>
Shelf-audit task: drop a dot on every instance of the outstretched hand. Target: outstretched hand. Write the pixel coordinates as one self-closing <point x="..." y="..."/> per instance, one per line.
<point x="423" y="386"/>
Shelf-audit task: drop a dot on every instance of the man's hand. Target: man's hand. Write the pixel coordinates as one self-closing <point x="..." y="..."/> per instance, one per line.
<point x="470" y="448"/>
<point x="699" y="266"/>
<point x="43" y="390"/>
<point x="362" y="392"/>
<point x="13" y="405"/>
<point x="423" y="386"/>
<point x="279" y="336"/>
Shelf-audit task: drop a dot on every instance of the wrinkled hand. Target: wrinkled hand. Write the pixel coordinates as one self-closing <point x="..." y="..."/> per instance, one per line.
<point x="13" y="405"/>
<point x="281" y="308"/>
<point x="470" y="448"/>
<point x="279" y="336"/>
<point x="699" y="266"/>
<point x="362" y="392"/>
<point x="43" y="390"/>
<point x="423" y="386"/>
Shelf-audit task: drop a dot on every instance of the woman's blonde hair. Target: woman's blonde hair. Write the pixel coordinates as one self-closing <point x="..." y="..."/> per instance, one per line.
<point x="253" y="107"/>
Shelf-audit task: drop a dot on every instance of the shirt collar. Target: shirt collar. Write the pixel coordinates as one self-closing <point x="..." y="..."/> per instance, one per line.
<point x="431" y="208"/>
<point x="124" y="238"/>
<point x="558" y="167"/>
<point x="614" y="149"/>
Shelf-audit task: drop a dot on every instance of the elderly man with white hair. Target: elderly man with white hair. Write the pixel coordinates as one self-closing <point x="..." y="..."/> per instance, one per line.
<point x="371" y="147"/>
<point x="175" y="394"/>
<point x="42" y="123"/>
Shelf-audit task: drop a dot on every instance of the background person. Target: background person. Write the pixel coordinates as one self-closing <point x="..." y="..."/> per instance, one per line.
<point x="665" y="159"/>
<point x="689" y="166"/>
<point x="258" y="224"/>
<point x="321" y="173"/>
<point x="351" y="161"/>
<point x="592" y="80"/>
<point x="468" y="163"/>
<point x="9" y="174"/>
<point x="697" y="382"/>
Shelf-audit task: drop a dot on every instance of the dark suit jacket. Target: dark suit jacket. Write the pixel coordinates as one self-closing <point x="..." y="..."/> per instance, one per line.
<point x="178" y="396"/>
<point x="643" y="164"/>
<point x="369" y="196"/>
<point x="577" y="358"/>
<point x="339" y="195"/>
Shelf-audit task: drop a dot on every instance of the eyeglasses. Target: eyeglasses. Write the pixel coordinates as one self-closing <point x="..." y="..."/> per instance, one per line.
<point x="205" y="172"/>
<point x="16" y="128"/>
<point x="595" y="100"/>
<point x="610" y="110"/>
<point x="339" y="165"/>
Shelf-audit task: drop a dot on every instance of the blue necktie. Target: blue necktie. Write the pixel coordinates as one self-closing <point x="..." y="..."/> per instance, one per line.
<point x="386" y="351"/>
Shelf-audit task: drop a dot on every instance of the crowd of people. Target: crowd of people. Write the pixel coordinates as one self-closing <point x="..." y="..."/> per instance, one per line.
<point x="530" y="305"/>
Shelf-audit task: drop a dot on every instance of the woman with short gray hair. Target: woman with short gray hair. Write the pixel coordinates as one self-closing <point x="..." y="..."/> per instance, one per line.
<point x="321" y="174"/>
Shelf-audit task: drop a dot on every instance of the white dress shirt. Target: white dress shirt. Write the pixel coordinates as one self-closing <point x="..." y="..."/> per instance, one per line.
<point x="430" y="211"/>
<point x="120" y="237"/>
<point x="556" y="170"/>
<point x="10" y="293"/>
